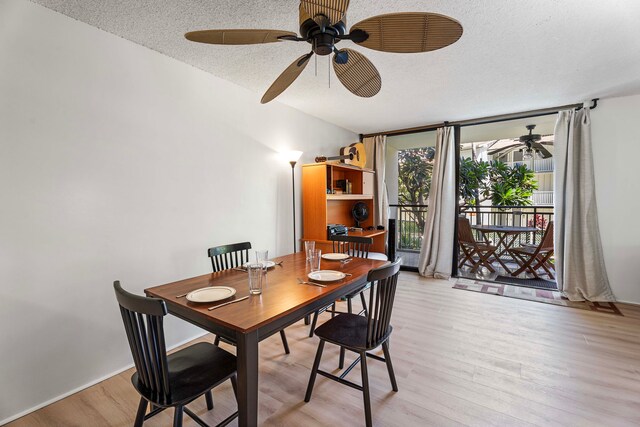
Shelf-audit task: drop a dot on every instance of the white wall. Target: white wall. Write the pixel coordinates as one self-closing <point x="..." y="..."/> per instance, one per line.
<point x="117" y="162"/>
<point x="616" y="150"/>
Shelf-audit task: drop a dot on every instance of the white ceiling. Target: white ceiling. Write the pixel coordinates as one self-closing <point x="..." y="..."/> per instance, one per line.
<point x="513" y="56"/>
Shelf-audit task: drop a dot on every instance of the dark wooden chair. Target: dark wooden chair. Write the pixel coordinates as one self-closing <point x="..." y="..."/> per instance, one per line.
<point x="232" y="256"/>
<point x="229" y="256"/>
<point x="362" y="334"/>
<point x="530" y="258"/>
<point x="354" y="246"/>
<point x="175" y="380"/>
<point x="471" y="248"/>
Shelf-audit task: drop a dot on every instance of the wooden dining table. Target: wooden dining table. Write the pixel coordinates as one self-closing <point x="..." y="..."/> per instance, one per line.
<point x="283" y="302"/>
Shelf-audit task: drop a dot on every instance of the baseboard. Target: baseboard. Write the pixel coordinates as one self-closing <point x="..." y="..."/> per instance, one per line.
<point x="628" y="302"/>
<point x="92" y="383"/>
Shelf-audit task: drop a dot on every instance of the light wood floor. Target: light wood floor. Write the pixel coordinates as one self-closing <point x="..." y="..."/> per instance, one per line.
<point x="461" y="358"/>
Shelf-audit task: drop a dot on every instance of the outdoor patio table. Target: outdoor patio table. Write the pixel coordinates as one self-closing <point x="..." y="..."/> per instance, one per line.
<point x="506" y="235"/>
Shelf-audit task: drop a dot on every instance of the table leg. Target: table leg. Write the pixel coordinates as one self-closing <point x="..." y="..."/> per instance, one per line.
<point x="247" y="354"/>
<point x="498" y="253"/>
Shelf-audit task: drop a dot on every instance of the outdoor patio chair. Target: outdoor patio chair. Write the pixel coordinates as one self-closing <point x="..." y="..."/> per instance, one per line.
<point x="471" y="248"/>
<point x="532" y="258"/>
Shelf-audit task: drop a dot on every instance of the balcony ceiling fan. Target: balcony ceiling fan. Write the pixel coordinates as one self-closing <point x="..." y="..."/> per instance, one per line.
<point x="323" y="25"/>
<point x="533" y="144"/>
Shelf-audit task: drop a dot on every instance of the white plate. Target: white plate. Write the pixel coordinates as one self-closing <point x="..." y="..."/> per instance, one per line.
<point x="336" y="257"/>
<point x="326" y="275"/>
<point x="211" y="293"/>
<point x="267" y="264"/>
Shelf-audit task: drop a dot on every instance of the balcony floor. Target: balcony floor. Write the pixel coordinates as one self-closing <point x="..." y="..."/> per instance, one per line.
<point x="411" y="258"/>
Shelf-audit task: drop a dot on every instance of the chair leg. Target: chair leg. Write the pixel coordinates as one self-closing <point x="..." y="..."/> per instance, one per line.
<point x="313" y="324"/>
<point x="365" y="389"/>
<point x="234" y="384"/>
<point x="307" y="319"/>
<point x="142" y="408"/>
<point x="285" y="344"/>
<point x="209" y="397"/>
<point x="349" y="307"/>
<point x="387" y="358"/>
<point x="341" y="363"/>
<point x="216" y="342"/>
<point x="314" y="371"/>
<point x="177" y="416"/>
<point x="333" y="310"/>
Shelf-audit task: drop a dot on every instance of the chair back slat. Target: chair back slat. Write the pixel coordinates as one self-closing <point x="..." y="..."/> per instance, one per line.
<point x="229" y="256"/>
<point x="547" y="239"/>
<point x="381" y="297"/>
<point x="356" y="246"/>
<point x="465" y="233"/>
<point x="143" y="323"/>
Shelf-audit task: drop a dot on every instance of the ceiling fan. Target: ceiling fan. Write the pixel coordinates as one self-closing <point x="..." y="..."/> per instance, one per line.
<point x="323" y="25"/>
<point x="533" y="145"/>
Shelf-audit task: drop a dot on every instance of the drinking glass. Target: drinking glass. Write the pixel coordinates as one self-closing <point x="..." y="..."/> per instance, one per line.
<point x="309" y="246"/>
<point x="314" y="259"/>
<point x="256" y="278"/>
<point x="262" y="256"/>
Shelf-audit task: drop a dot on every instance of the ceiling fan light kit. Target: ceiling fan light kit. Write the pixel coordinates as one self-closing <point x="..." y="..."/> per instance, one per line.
<point x="531" y="146"/>
<point x="323" y="25"/>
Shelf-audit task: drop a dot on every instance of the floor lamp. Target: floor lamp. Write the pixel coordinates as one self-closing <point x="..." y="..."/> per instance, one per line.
<point x="292" y="157"/>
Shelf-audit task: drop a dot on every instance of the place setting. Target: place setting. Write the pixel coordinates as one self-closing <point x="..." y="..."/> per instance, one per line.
<point x="261" y="258"/>
<point x="318" y="277"/>
<point x="256" y="278"/>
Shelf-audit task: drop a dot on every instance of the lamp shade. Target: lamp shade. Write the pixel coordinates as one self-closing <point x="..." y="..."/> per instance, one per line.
<point x="291" y="156"/>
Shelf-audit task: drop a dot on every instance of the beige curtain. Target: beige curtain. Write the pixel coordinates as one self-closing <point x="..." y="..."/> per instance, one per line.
<point x="376" y="148"/>
<point x="581" y="273"/>
<point x="436" y="254"/>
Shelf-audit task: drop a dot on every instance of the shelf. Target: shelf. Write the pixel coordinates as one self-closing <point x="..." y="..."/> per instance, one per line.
<point x="337" y="164"/>
<point x="349" y="197"/>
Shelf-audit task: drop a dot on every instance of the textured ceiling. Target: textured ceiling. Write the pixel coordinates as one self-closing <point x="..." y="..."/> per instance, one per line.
<point x="513" y="55"/>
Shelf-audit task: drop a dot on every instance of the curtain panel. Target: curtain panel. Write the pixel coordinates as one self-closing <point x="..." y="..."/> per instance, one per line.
<point x="436" y="254"/>
<point x="580" y="269"/>
<point x="376" y="148"/>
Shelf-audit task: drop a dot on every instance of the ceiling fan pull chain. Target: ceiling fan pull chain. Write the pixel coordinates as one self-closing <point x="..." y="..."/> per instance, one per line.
<point x="329" y="68"/>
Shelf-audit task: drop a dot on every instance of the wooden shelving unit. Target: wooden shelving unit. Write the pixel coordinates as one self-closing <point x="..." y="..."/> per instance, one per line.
<point x="321" y="207"/>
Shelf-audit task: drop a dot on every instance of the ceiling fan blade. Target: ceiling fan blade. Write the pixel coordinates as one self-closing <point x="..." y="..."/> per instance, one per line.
<point x="285" y="79"/>
<point x="334" y="10"/>
<point x="409" y="32"/>
<point x="237" y="36"/>
<point x="505" y="148"/>
<point x="541" y="149"/>
<point x="357" y="74"/>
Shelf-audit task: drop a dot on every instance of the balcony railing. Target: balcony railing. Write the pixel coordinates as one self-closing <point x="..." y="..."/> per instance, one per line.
<point x="410" y="220"/>
<point x="542" y="198"/>
<point x="410" y="226"/>
<point x="536" y="165"/>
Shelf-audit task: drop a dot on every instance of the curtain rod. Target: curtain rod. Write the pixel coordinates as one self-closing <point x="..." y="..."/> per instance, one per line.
<point x="483" y="120"/>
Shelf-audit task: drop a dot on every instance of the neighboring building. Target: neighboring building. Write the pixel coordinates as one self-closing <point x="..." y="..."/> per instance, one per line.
<point x="510" y="152"/>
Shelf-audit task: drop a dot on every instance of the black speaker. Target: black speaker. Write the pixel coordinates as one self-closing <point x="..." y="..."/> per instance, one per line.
<point x="391" y="240"/>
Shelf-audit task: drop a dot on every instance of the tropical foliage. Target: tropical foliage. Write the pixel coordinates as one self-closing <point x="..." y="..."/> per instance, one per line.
<point x="495" y="181"/>
<point x="415" y="168"/>
<point x="479" y="180"/>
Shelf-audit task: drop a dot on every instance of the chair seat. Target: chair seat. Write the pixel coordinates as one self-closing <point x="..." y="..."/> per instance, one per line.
<point x="192" y="371"/>
<point x="378" y="256"/>
<point x="372" y="255"/>
<point x="484" y="247"/>
<point x="528" y="250"/>
<point x="348" y="330"/>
